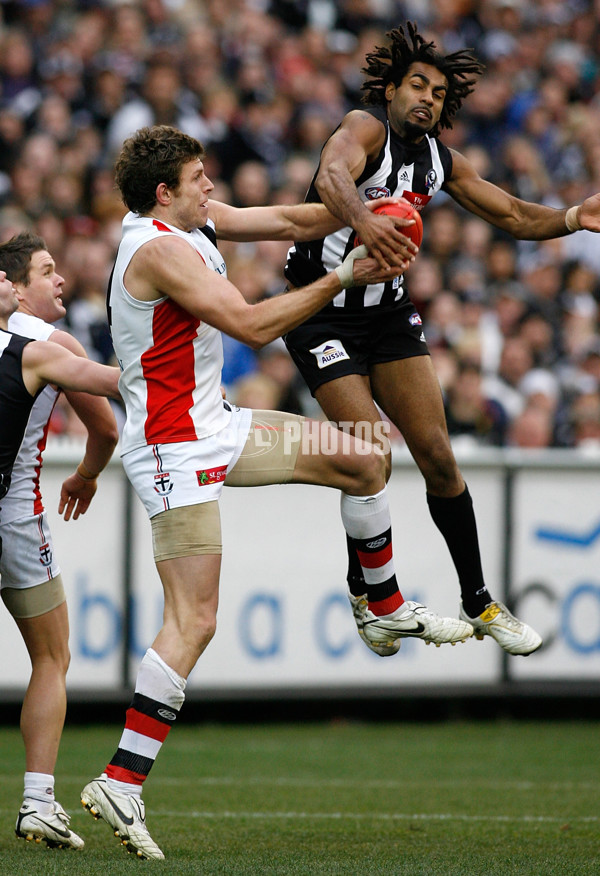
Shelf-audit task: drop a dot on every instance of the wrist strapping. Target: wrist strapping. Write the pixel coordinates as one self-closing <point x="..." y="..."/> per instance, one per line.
<point x="84" y="473"/>
<point x="571" y="219"/>
<point x="345" y="271"/>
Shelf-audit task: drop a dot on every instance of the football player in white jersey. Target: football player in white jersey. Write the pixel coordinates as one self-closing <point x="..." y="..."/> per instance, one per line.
<point x="169" y="299"/>
<point x="30" y="576"/>
<point x="391" y="147"/>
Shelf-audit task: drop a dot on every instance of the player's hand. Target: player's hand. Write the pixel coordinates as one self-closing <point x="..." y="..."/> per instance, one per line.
<point x="382" y="235"/>
<point x="359" y="269"/>
<point x="75" y="496"/>
<point x="589" y="213"/>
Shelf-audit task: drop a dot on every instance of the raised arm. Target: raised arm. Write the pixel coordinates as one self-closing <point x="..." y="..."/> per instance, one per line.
<point x="96" y="414"/>
<point x="523" y="219"/>
<point x="345" y="155"/>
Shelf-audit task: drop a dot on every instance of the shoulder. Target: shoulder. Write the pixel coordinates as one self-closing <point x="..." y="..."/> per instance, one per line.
<point x="30" y="326"/>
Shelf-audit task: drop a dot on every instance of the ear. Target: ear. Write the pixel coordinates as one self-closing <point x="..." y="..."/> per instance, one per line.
<point x="20" y="290"/>
<point x="163" y="195"/>
<point x="390" y="90"/>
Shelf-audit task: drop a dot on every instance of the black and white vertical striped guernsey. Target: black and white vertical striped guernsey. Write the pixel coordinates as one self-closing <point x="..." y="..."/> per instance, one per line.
<point x="15" y="403"/>
<point x="414" y="170"/>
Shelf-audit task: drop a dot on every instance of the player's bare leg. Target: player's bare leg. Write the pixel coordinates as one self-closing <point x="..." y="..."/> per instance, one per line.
<point x="357" y="468"/>
<point x="42" y="719"/>
<point x="408" y="392"/>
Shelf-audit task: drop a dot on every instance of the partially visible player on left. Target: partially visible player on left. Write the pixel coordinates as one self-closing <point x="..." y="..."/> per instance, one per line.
<point x="30" y="578"/>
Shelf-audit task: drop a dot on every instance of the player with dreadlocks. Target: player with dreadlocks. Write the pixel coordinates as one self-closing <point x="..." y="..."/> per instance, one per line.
<point x="367" y="346"/>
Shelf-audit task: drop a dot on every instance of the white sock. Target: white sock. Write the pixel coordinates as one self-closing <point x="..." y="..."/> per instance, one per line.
<point x="39" y="787"/>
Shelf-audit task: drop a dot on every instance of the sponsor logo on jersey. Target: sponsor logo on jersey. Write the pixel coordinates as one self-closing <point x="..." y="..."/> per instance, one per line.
<point x="45" y="554"/>
<point x="162" y="483"/>
<point x="329" y="352"/>
<point x="418" y="201"/>
<point x="415" y="319"/>
<point x="211" y="475"/>
<point x="404" y="176"/>
<point x="422" y="338"/>
<point x="374" y="192"/>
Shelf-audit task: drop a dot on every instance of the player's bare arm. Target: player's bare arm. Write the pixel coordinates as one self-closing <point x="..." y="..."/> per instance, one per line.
<point x="44" y="362"/>
<point x="345" y="155"/>
<point x="78" y="490"/>
<point x="286" y="222"/>
<point x="523" y="219"/>
<point x="177" y="271"/>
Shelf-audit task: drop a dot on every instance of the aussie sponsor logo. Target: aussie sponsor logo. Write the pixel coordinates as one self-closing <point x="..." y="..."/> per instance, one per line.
<point x="329" y="353"/>
<point x="374" y="192"/>
<point x="211" y="475"/>
<point x="162" y="483"/>
<point x="415" y="319"/>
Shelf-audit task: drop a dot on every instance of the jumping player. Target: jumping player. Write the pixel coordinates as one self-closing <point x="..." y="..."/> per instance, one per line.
<point x="168" y="301"/>
<point x="391" y="147"/>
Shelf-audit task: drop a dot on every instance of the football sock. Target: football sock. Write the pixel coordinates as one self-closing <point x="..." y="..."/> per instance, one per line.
<point x="355" y="578"/>
<point x="368" y="525"/>
<point x="39" y="787"/>
<point x="455" y="519"/>
<point x="158" y="697"/>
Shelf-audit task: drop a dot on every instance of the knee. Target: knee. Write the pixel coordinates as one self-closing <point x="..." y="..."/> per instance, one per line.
<point x="441" y="473"/>
<point x="372" y="472"/>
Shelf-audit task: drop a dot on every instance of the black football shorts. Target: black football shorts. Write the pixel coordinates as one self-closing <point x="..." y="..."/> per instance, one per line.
<point x="334" y="344"/>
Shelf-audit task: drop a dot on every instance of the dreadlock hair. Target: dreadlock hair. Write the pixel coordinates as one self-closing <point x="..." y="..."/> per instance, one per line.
<point x="390" y="64"/>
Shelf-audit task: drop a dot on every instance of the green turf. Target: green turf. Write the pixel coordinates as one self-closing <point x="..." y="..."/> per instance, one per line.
<point x="454" y="799"/>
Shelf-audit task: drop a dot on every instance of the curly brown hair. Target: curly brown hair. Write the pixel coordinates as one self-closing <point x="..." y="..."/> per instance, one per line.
<point x="391" y="63"/>
<point x="152" y="156"/>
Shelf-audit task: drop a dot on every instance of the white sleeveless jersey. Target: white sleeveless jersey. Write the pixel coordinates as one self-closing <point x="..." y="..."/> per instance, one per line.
<point x="24" y="498"/>
<point x="170" y="361"/>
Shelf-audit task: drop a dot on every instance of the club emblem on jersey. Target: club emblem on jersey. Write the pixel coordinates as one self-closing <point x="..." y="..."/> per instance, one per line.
<point x="211" y="475"/>
<point x="329" y="352"/>
<point x="374" y="192"/>
<point x="162" y="483"/>
<point x="415" y="319"/>
<point x="430" y="179"/>
<point x="45" y="554"/>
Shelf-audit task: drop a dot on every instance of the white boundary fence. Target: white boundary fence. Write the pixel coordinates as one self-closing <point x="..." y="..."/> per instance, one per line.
<point x="284" y="622"/>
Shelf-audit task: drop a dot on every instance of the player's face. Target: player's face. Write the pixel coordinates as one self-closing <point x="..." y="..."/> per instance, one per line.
<point x="8" y="298"/>
<point x="43" y="296"/>
<point x="190" y="198"/>
<point x="416" y="104"/>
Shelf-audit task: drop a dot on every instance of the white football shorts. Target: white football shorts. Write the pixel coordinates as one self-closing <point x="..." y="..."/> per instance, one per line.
<point x="27" y="552"/>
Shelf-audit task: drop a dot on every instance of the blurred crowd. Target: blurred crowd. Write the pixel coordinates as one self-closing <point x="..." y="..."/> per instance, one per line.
<point x="513" y="326"/>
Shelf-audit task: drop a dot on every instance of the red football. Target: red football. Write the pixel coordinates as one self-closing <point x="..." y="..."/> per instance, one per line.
<point x="406" y="211"/>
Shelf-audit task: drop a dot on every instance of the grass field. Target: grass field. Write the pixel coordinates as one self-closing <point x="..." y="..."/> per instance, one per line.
<point x="450" y="798"/>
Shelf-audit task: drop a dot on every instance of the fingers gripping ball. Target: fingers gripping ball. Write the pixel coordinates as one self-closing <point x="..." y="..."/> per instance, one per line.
<point x="406" y="211"/>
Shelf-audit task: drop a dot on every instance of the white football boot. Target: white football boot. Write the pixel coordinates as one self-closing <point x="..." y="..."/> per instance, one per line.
<point x="359" y="606"/>
<point x="125" y="813"/>
<point x="53" y="829"/>
<point x="510" y="633"/>
<point x="413" y="620"/>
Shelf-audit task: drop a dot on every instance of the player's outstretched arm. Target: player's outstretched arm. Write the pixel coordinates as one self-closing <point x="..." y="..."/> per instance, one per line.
<point x="523" y="219"/>
<point x="45" y="362"/>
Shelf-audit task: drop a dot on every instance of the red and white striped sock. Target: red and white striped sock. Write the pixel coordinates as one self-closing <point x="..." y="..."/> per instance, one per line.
<point x="368" y="524"/>
<point x="158" y="697"/>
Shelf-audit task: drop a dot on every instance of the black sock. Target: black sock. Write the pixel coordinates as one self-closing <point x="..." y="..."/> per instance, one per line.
<point x="456" y="521"/>
<point x="355" y="578"/>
